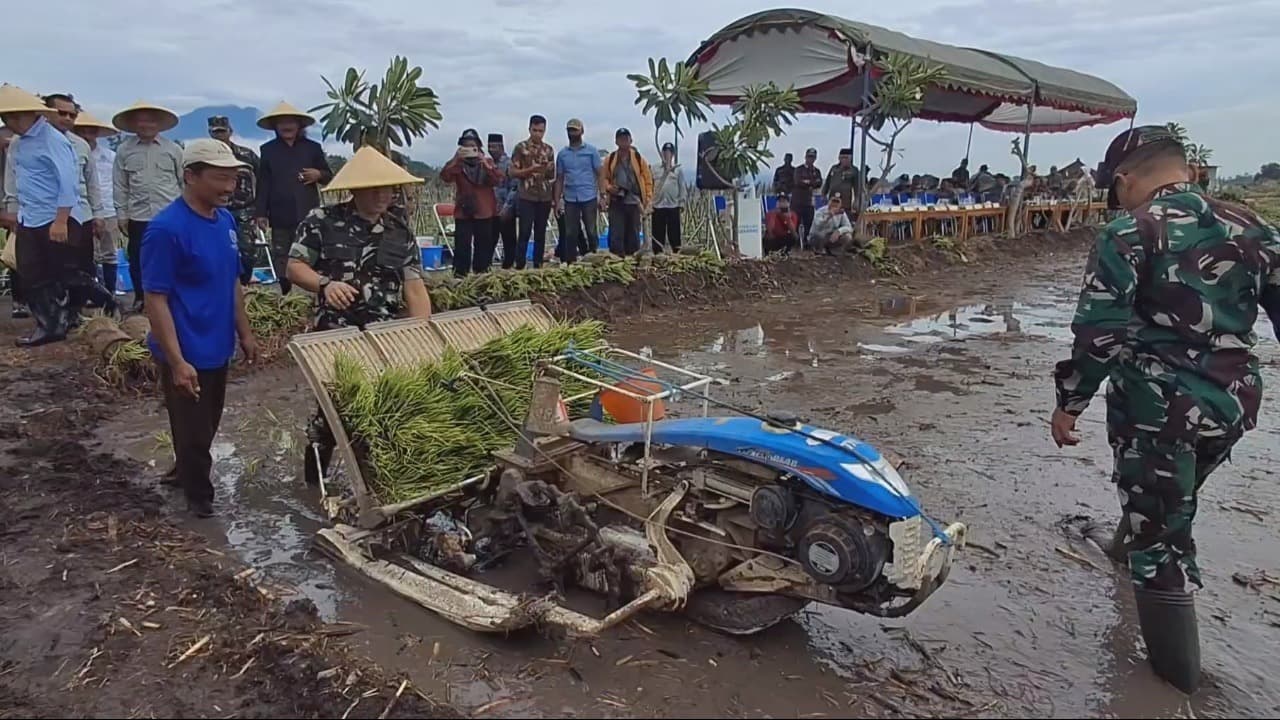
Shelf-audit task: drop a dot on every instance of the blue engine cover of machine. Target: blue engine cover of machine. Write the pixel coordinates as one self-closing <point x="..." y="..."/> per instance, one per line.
<point x="844" y="473"/>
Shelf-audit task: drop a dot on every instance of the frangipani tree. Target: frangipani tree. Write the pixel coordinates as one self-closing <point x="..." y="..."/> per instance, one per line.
<point x="384" y="115"/>
<point x="897" y="99"/>
<point x="670" y="94"/>
<point x="741" y="148"/>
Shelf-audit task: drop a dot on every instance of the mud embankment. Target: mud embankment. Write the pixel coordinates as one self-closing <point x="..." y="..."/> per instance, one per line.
<point x="905" y="266"/>
<point x="109" y="609"/>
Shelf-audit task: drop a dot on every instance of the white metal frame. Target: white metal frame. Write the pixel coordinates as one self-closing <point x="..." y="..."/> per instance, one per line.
<point x="697" y="381"/>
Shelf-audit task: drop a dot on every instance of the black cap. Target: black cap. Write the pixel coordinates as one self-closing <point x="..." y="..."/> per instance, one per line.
<point x="667" y="146"/>
<point x="846" y="151"/>
<point x="621" y="132"/>
<point x="495" y="137"/>
<point x="219" y="121"/>
<point x="1124" y="145"/>
<point x="469" y="134"/>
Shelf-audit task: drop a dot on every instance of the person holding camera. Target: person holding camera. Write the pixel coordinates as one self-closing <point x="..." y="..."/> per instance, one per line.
<point x="475" y="204"/>
<point x="628" y="194"/>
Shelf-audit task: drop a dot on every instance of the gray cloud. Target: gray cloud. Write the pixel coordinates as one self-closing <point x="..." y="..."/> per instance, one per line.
<point x="494" y="62"/>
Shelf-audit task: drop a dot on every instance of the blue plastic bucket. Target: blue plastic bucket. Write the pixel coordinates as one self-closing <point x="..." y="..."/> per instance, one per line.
<point x="432" y="256"/>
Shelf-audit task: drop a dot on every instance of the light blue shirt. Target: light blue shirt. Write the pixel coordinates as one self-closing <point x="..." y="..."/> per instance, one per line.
<point x="578" y="166"/>
<point x="45" y="175"/>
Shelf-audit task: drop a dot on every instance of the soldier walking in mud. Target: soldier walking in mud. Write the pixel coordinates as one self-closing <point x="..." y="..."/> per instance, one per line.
<point x="1166" y="313"/>
<point x="361" y="261"/>
<point x="244" y="200"/>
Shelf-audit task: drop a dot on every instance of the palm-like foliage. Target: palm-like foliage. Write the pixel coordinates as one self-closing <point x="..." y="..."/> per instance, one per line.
<point x="1199" y="154"/>
<point x="669" y="94"/>
<point x="762" y="113"/>
<point x="1178" y="131"/>
<point x="383" y="115"/>
<point x="897" y="99"/>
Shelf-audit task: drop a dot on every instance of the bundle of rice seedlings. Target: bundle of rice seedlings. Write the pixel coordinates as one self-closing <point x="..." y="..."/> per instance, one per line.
<point x="271" y="313"/>
<point x="594" y="269"/>
<point x="275" y="318"/>
<point x="128" y="361"/>
<point x="427" y="428"/>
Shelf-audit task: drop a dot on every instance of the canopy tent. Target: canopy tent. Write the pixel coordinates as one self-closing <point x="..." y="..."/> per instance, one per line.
<point x="824" y="58"/>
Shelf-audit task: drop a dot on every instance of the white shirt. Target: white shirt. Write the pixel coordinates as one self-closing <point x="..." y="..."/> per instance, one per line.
<point x="104" y="159"/>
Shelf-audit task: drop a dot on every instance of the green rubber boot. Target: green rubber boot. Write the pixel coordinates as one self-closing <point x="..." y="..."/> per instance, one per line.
<point x="1168" y="621"/>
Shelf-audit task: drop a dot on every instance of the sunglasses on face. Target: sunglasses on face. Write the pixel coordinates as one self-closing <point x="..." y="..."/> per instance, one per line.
<point x="68" y="114"/>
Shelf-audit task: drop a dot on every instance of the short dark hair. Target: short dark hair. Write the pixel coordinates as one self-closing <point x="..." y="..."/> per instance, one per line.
<point x="537" y="120"/>
<point x="51" y="98"/>
<point x="1147" y="155"/>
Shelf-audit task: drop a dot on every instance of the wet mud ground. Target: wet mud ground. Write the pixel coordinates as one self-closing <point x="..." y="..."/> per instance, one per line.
<point x="951" y="373"/>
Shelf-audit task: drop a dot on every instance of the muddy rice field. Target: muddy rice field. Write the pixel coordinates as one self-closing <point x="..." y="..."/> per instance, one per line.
<point x="113" y="602"/>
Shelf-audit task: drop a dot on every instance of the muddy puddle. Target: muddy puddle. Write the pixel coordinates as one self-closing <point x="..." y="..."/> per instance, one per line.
<point x="1030" y="622"/>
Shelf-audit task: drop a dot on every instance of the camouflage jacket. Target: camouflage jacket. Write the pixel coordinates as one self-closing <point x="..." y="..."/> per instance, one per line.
<point x="1167" y="311"/>
<point x="841" y="180"/>
<point x="375" y="258"/>
<point x="245" y="196"/>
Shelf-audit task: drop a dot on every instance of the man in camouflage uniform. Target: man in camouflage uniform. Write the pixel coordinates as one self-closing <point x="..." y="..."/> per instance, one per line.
<point x="1166" y="313"/>
<point x="362" y="262"/>
<point x="841" y="180"/>
<point x="245" y="198"/>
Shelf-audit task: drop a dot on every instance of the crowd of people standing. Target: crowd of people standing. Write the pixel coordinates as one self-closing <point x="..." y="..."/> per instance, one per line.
<point x="511" y="198"/>
<point x="70" y="201"/>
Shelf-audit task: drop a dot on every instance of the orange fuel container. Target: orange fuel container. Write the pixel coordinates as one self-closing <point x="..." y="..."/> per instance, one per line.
<point x="626" y="409"/>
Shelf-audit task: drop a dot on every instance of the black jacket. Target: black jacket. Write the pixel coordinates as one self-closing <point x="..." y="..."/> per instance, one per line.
<point x="282" y="199"/>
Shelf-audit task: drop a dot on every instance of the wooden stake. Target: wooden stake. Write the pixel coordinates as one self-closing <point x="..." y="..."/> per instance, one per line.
<point x="192" y="650"/>
<point x="391" y="705"/>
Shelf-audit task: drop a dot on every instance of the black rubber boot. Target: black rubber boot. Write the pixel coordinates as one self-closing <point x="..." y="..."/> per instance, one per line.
<point x="1168" y="621"/>
<point x="100" y="296"/>
<point x="109" y="274"/>
<point x="51" y="319"/>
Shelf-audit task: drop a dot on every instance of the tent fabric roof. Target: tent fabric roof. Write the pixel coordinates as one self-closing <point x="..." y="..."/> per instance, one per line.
<point x="823" y="57"/>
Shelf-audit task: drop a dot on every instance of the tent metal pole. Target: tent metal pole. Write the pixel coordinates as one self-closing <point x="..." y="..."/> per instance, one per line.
<point x="969" y="145"/>
<point x="1026" y="139"/>
<point x="862" y="163"/>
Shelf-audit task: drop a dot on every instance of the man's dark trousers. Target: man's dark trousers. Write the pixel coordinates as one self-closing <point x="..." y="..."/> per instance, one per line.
<point x="193" y="423"/>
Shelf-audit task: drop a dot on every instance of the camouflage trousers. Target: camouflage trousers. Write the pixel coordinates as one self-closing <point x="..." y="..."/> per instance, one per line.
<point x="1158" y="483"/>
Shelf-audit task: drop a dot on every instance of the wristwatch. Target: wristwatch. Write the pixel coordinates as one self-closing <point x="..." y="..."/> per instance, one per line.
<point x="324" y="282"/>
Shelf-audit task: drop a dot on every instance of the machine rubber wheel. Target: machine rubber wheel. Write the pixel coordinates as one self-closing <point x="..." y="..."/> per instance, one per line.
<point x="740" y="613"/>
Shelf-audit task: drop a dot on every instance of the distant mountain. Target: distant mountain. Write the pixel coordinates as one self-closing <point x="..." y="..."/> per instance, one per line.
<point x="244" y="122"/>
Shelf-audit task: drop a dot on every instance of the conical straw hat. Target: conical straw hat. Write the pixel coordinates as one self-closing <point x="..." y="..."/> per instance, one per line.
<point x="123" y="120"/>
<point x="84" y="120"/>
<point x="283" y="110"/>
<point x="14" y="99"/>
<point x="370" y="169"/>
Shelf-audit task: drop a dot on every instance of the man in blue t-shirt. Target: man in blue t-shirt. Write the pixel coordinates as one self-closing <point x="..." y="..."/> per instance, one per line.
<point x="191" y="277"/>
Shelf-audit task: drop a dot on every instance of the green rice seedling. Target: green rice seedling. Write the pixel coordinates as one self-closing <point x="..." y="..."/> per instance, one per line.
<point x="428" y="427"/>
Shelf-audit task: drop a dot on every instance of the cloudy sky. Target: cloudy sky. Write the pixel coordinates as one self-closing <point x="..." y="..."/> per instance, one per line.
<point x="496" y="61"/>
